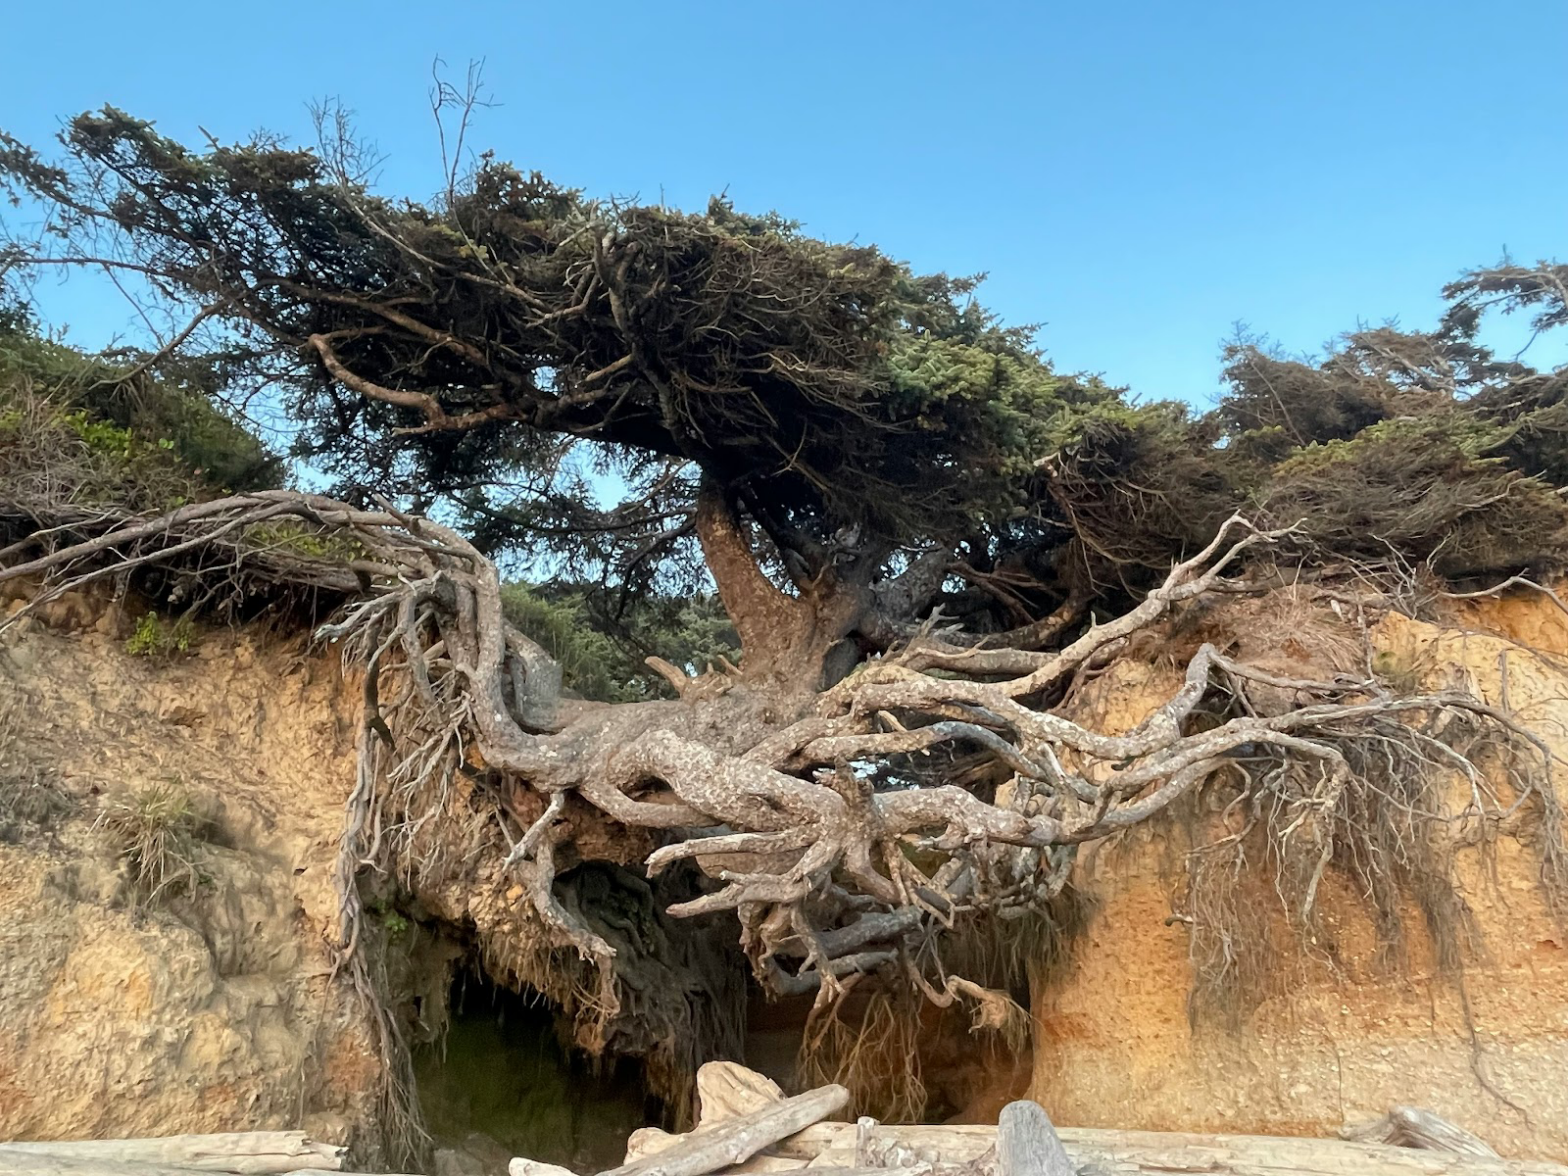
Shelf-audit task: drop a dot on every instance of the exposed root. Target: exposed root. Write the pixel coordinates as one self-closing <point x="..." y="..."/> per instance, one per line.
<point x="874" y="1053"/>
<point x="807" y="817"/>
<point x="1418" y="785"/>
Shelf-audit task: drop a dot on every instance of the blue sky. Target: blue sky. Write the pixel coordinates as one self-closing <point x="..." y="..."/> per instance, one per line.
<point x="1136" y="176"/>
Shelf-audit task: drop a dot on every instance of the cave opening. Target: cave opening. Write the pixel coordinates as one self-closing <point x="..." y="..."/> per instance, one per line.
<point x="502" y="1079"/>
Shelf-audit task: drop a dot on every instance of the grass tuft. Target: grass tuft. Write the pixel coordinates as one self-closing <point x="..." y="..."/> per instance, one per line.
<point x="156" y="832"/>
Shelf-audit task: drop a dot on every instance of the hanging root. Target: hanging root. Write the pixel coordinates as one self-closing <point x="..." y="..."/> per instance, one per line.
<point x="819" y="834"/>
<point x="873" y="1052"/>
<point x="1407" y="788"/>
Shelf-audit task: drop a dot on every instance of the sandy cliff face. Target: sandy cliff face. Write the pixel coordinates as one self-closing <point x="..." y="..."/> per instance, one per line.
<point x="1344" y="1030"/>
<point x="203" y="1012"/>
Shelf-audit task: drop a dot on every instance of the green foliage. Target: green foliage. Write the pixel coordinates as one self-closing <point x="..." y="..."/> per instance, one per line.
<point x="1003" y="407"/>
<point x="393" y="922"/>
<point x="54" y="457"/>
<point x="601" y="654"/>
<point x="840" y="385"/>
<point x="118" y="411"/>
<point x="103" y="436"/>
<point x="299" y="539"/>
<point x="590" y="664"/>
<point x="152" y="638"/>
<point x="84" y="433"/>
<point x="1425" y="490"/>
<point x="514" y="349"/>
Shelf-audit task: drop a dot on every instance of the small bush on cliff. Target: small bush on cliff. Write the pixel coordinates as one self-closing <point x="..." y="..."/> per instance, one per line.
<point x="119" y="401"/>
<point x="82" y="434"/>
<point x="156" y="832"/>
<point x="152" y="638"/>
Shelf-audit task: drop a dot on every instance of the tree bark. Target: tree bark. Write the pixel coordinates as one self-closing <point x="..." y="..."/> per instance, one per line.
<point x="785" y="640"/>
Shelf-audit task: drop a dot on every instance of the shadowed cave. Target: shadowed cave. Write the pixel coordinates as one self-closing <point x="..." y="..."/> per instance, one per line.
<point x="500" y="1079"/>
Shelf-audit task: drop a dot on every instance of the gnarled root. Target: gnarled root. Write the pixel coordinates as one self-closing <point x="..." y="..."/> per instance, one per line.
<point x="836" y="856"/>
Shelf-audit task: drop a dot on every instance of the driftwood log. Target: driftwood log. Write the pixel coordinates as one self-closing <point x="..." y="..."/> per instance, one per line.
<point x="1026" y="1144"/>
<point x="728" y="1090"/>
<point x="1104" y="1150"/>
<point x="17" y="1162"/>
<point x="734" y="1141"/>
<point x="252" y="1153"/>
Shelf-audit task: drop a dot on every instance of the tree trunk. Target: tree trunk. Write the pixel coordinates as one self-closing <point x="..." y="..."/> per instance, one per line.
<point x="788" y="642"/>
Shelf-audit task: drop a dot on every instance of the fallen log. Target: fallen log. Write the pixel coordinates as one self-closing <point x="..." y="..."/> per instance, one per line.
<point x="15" y="1162"/>
<point x="250" y="1153"/>
<point x="734" y="1141"/>
<point x="1430" y="1146"/>
<point x="833" y="1145"/>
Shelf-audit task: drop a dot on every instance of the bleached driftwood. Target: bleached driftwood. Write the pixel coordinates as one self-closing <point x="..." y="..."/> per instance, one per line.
<point x="728" y="1090"/>
<point x="1026" y="1143"/>
<point x="831" y="1145"/>
<point x="734" y="1141"/>
<point x="252" y="1153"/>
<point x="526" y="1167"/>
<point x="16" y="1162"/>
<point x="1412" y="1127"/>
<point x="1432" y="1147"/>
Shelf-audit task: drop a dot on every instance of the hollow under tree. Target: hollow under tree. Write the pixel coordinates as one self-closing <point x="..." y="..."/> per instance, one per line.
<point x="871" y="470"/>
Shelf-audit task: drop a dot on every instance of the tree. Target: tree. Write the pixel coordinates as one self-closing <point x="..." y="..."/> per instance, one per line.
<point x="921" y="534"/>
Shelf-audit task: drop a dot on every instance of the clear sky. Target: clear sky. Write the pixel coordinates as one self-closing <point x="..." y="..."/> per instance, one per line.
<point x="1136" y="176"/>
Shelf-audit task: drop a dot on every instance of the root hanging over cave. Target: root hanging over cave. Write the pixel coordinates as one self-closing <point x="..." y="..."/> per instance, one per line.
<point x="623" y="859"/>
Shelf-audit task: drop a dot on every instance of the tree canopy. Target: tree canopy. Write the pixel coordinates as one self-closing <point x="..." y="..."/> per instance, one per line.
<point x="513" y="348"/>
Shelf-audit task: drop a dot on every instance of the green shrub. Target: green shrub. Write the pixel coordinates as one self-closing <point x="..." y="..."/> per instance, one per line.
<point x="299" y="539"/>
<point x="109" y="433"/>
<point x="152" y="638"/>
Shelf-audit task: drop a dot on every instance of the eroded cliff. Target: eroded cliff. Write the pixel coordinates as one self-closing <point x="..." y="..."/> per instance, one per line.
<point x="212" y="1005"/>
<point x="1172" y="1013"/>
